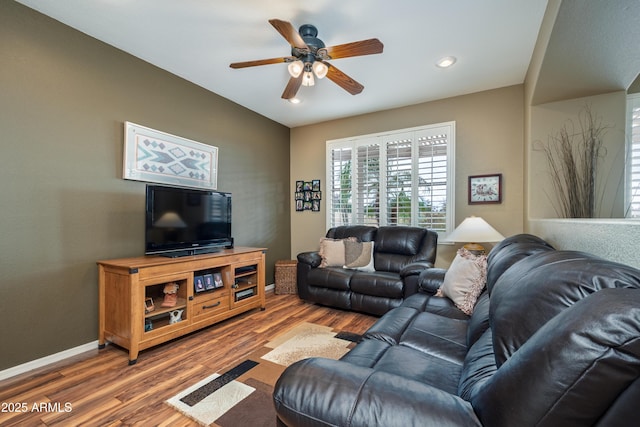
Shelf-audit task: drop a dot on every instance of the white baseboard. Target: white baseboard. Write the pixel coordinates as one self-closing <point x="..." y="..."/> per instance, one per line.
<point x="47" y="360"/>
<point x="270" y="287"/>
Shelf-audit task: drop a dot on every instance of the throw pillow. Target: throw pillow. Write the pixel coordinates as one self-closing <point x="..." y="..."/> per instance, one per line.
<point x="332" y="252"/>
<point x="359" y="255"/>
<point x="464" y="280"/>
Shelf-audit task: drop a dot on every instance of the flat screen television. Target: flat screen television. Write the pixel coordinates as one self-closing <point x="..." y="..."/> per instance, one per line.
<point x="184" y="221"/>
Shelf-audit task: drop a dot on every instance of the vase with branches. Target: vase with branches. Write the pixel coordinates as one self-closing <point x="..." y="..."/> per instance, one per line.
<point x="573" y="156"/>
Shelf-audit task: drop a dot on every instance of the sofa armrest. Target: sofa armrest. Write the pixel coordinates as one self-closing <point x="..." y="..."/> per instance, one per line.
<point x="430" y="280"/>
<point x="415" y="268"/>
<point x="321" y="392"/>
<point x="313" y="259"/>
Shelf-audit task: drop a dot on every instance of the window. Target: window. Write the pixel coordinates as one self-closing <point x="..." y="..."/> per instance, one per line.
<point x="404" y="177"/>
<point x="632" y="186"/>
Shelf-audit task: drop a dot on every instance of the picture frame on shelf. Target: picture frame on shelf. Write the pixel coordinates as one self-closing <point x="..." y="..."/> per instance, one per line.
<point x="198" y="284"/>
<point x="217" y="281"/>
<point x="208" y="282"/>
<point x="485" y="189"/>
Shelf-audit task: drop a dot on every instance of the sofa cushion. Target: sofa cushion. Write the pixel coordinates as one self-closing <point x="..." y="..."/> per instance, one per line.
<point x="331" y="278"/>
<point x="396" y="247"/>
<point x="364" y="233"/>
<point x="379" y="283"/>
<point x="436" y="305"/>
<point x="427" y="368"/>
<point x="464" y="280"/>
<point x="332" y="252"/>
<point x="511" y="250"/>
<point x="358" y="255"/>
<point x="573" y="369"/>
<point x="541" y="286"/>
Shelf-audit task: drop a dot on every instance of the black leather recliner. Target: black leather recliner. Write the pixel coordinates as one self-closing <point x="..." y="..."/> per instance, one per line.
<point x="400" y="255"/>
<point x="553" y="341"/>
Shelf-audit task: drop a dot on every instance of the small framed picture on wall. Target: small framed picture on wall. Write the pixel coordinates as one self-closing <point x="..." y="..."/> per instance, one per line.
<point x="485" y="189"/>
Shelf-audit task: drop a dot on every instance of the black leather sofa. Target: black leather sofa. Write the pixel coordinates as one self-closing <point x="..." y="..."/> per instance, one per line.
<point x="553" y="341"/>
<point x="400" y="254"/>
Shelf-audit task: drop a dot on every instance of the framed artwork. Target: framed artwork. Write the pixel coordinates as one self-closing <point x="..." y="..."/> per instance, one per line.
<point x="485" y="189"/>
<point x="307" y="195"/>
<point x="154" y="156"/>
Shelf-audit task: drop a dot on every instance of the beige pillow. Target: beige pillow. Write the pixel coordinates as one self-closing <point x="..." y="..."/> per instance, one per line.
<point x="359" y="255"/>
<point x="332" y="252"/>
<point x="464" y="280"/>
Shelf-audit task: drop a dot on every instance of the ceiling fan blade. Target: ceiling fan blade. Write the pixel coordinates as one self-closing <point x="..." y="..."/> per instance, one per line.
<point x="289" y="33"/>
<point x="262" y="62"/>
<point x="292" y="87"/>
<point x="363" y="47"/>
<point x="344" y="81"/>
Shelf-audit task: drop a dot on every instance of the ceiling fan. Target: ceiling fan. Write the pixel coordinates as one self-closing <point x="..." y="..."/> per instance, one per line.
<point x="309" y="57"/>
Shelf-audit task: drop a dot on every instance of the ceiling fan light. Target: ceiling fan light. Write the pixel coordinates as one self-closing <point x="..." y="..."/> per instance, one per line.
<point x="320" y="69"/>
<point x="295" y="68"/>
<point x="307" y="79"/>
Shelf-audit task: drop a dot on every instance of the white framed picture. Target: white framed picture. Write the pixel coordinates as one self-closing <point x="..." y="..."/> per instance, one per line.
<point x="154" y="156"/>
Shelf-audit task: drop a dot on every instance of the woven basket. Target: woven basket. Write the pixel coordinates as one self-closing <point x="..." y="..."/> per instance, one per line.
<point x="286" y="277"/>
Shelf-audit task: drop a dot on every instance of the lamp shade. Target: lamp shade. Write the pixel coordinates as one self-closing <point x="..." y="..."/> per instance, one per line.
<point x="474" y="229"/>
<point x="295" y="68"/>
<point x="320" y="69"/>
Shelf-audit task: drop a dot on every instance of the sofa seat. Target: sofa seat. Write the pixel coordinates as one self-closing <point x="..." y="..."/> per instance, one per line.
<point x="400" y="254"/>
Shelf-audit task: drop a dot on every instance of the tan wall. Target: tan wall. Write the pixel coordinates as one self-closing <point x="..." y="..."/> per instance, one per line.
<point x="64" y="99"/>
<point x="489" y="139"/>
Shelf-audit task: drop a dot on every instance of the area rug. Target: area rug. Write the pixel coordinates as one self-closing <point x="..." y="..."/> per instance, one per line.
<point x="241" y="395"/>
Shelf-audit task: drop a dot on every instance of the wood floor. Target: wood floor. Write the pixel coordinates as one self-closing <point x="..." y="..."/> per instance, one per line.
<point x="98" y="388"/>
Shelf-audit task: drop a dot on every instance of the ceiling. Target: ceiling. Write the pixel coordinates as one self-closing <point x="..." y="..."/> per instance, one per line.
<point x="493" y="41"/>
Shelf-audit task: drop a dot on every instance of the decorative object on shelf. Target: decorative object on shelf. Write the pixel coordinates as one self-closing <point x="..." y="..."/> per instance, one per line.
<point x="170" y="295"/>
<point x="148" y="305"/>
<point x="573" y="156"/>
<point x="485" y="189"/>
<point x="473" y="230"/>
<point x="154" y="156"/>
<point x="308" y="195"/>
<point x="148" y="325"/>
<point x="175" y="316"/>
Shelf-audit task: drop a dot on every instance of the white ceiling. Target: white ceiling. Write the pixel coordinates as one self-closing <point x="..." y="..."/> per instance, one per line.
<point x="198" y="39"/>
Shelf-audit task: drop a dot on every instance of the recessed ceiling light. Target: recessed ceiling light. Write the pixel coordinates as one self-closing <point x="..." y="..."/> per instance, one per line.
<point x="294" y="100"/>
<point x="447" y="61"/>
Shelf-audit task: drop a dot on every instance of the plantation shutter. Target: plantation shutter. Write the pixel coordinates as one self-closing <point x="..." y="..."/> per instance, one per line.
<point x="399" y="174"/>
<point x="432" y="182"/>
<point x="633" y="158"/>
<point x="404" y="177"/>
<point x="367" y="182"/>
<point x="339" y="181"/>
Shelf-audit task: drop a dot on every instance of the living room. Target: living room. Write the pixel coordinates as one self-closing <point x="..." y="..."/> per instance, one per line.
<point x="66" y="97"/>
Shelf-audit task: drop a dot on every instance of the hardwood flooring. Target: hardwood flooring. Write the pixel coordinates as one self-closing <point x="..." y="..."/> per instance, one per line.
<point x="99" y="388"/>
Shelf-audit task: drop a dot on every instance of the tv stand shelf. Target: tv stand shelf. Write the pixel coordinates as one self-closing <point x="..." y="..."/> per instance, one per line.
<point x="127" y="285"/>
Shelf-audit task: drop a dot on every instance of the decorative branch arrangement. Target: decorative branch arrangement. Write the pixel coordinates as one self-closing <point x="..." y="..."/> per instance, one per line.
<point x="574" y="154"/>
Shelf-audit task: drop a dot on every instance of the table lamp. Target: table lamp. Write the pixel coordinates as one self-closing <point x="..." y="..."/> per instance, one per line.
<point x="473" y="230"/>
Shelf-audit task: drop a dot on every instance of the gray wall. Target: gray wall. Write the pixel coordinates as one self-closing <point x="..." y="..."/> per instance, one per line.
<point x="64" y="98"/>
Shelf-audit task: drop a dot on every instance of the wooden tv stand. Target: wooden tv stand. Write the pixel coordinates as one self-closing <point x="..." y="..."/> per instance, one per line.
<point x="127" y="285"/>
